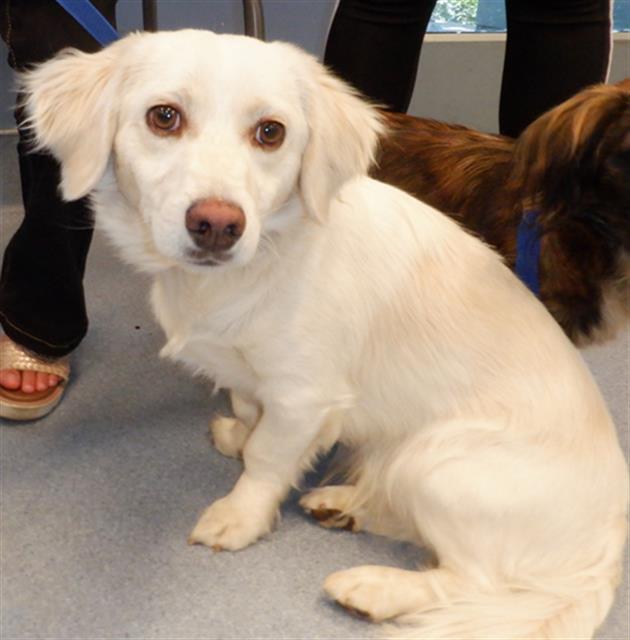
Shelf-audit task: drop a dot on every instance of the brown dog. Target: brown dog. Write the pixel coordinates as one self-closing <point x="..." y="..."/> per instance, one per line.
<point x="572" y="165"/>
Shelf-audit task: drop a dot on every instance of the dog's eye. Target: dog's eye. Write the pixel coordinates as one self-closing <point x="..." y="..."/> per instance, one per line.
<point x="164" y="119"/>
<point x="269" y="134"/>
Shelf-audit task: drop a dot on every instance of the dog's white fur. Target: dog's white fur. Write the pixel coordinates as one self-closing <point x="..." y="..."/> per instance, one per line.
<point x="350" y="312"/>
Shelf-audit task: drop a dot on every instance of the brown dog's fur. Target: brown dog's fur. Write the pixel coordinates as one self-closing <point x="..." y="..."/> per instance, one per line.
<point x="572" y="165"/>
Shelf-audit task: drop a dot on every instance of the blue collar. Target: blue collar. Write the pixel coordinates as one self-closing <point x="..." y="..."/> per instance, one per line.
<point x="91" y="19"/>
<point x="528" y="251"/>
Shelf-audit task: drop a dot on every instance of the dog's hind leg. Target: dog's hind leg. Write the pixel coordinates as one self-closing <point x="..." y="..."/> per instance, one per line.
<point x="382" y="593"/>
<point x="229" y="434"/>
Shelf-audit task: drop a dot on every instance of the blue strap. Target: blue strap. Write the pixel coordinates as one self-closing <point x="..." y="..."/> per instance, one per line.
<point x="528" y="251"/>
<point x="91" y="19"/>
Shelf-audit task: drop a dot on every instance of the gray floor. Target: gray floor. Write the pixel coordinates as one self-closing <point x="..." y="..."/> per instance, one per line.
<point x="98" y="499"/>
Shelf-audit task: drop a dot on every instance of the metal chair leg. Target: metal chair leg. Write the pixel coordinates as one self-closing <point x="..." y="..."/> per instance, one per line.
<point x="149" y="15"/>
<point x="254" y="19"/>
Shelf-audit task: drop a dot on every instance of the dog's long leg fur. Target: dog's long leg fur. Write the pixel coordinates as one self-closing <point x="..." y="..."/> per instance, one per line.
<point x="230" y="434"/>
<point x="249" y="510"/>
<point x="483" y="534"/>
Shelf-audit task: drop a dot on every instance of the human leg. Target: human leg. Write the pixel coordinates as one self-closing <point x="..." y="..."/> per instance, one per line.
<point x="554" y="49"/>
<point x="42" y="307"/>
<point x="376" y="47"/>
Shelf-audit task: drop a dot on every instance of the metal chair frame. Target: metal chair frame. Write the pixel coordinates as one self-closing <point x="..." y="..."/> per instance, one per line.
<point x="253" y="17"/>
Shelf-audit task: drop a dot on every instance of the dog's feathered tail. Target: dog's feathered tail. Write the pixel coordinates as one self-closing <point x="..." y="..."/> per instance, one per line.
<point x="514" y="614"/>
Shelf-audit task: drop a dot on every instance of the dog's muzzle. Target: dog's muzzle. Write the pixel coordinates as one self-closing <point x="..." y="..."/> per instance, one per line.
<point x="215" y="226"/>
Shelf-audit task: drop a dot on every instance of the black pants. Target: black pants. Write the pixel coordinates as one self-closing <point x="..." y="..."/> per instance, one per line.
<point x="554" y="49"/>
<point x="42" y="304"/>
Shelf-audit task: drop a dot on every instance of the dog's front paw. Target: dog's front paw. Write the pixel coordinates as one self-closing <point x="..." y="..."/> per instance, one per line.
<point x="229" y="435"/>
<point x="329" y="506"/>
<point x="226" y="524"/>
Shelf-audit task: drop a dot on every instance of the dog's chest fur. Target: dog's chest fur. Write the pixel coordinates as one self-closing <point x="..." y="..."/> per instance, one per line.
<point x="207" y="328"/>
<point x="226" y="325"/>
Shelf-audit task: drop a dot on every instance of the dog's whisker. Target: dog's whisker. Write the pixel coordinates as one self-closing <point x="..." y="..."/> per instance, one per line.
<point x="269" y="244"/>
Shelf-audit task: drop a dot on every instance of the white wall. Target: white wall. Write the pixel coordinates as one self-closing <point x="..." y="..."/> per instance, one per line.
<point x="459" y="77"/>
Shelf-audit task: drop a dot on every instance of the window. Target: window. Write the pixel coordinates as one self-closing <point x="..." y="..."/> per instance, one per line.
<point x="479" y="16"/>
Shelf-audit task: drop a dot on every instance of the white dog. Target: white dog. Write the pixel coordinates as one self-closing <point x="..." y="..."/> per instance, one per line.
<point x="337" y="308"/>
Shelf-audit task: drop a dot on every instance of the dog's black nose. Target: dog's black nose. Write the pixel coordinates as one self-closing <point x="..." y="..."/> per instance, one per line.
<point x="215" y="225"/>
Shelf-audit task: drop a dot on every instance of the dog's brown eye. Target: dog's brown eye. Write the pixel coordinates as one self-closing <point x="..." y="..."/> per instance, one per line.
<point x="269" y="134"/>
<point x="164" y="119"/>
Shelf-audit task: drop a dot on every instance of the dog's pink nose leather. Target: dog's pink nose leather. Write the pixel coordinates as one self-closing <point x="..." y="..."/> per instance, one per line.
<point x="215" y="225"/>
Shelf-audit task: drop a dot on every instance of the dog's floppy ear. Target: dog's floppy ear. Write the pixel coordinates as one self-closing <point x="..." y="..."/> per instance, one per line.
<point x="69" y="104"/>
<point x="344" y="131"/>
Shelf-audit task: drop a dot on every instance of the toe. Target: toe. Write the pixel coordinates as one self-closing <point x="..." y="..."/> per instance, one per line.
<point x="53" y="380"/>
<point x="10" y="379"/>
<point x="29" y="381"/>
<point x="41" y="381"/>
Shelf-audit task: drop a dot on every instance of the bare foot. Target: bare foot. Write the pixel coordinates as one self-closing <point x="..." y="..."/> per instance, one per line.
<point x="27" y="381"/>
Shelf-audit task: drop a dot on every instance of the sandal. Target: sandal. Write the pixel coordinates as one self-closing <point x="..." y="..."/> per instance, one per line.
<point x="18" y="405"/>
